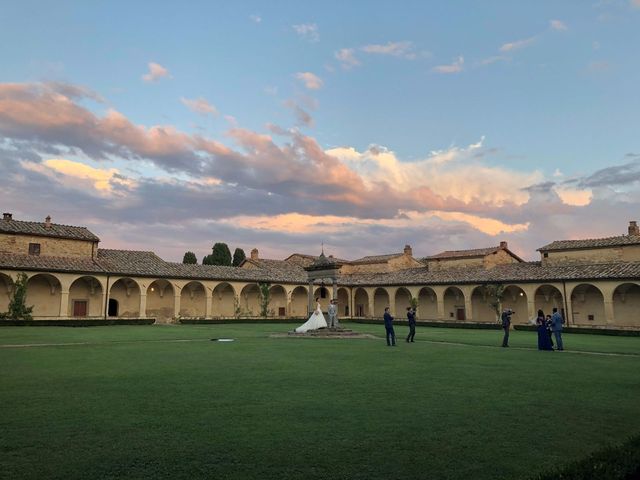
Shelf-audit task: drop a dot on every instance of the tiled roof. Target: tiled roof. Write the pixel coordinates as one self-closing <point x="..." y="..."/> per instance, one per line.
<point x="306" y="260"/>
<point x="592" y="243"/>
<point x="477" y="252"/>
<point x="513" y="272"/>
<point x="54" y="230"/>
<point x="377" y="258"/>
<point x="132" y="263"/>
<point x="48" y="263"/>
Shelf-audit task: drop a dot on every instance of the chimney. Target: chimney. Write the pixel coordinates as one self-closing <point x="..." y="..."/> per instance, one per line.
<point x="254" y="254"/>
<point x="7" y="216"/>
<point x="330" y="256"/>
<point x="408" y="251"/>
<point x="47" y="222"/>
<point x="633" y="228"/>
<point x="503" y="245"/>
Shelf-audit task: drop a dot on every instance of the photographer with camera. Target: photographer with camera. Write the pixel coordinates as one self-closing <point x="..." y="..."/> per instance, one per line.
<point x="506" y="324"/>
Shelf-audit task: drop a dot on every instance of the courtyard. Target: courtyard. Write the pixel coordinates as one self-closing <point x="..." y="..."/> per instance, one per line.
<point x="167" y="402"/>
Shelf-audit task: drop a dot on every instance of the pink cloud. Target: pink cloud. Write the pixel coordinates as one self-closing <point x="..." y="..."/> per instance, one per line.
<point x="155" y="73"/>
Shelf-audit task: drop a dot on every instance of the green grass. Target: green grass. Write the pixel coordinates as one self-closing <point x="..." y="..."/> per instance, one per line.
<point x="126" y="402"/>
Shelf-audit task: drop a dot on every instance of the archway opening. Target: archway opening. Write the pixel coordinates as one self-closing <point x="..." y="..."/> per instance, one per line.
<point x="44" y="293"/>
<point x="402" y="301"/>
<point x="85" y="297"/>
<point x="224" y="301"/>
<point x="427" y="304"/>
<point x="250" y="300"/>
<point x="587" y="305"/>
<point x="454" y="309"/>
<point x="548" y="297"/>
<point x="343" y="303"/>
<point x="380" y="302"/>
<point x="626" y="305"/>
<point x="361" y="303"/>
<point x="6" y="292"/>
<point x="299" y="298"/>
<point x="277" y="301"/>
<point x="516" y="299"/>
<point x="481" y="303"/>
<point x="193" y="300"/>
<point x="112" y="310"/>
<point x="126" y="293"/>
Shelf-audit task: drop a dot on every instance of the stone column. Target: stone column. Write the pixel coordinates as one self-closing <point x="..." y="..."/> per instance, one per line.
<point x="103" y="312"/>
<point x="392" y="302"/>
<point x="608" y="312"/>
<point x="176" y="305"/>
<point x="208" y="306"/>
<point x="372" y="304"/>
<point x="311" y="305"/>
<point x="143" y="305"/>
<point x="468" y="307"/>
<point x="64" y="303"/>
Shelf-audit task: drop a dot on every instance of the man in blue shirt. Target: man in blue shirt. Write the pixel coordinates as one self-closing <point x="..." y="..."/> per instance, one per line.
<point x="388" y="325"/>
<point x="506" y="324"/>
<point x="556" y="328"/>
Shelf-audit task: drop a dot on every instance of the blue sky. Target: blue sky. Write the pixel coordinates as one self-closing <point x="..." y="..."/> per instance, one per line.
<point x="463" y="99"/>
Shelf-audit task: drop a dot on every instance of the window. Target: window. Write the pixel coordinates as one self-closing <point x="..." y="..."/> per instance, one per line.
<point x="34" y="249"/>
<point x="546" y="255"/>
<point x="591" y="317"/>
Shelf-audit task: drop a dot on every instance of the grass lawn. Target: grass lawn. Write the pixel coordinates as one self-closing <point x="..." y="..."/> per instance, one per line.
<point x="130" y="402"/>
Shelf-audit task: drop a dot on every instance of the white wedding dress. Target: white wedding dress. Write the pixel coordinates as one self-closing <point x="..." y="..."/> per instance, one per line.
<point x="316" y="321"/>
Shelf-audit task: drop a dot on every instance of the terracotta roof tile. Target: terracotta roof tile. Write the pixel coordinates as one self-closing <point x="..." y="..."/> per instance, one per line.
<point x="39" y="229"/>
<point x="592" y="243"/>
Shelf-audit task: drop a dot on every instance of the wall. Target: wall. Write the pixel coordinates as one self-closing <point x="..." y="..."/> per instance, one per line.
<point x="437" y="265"/>
<point x="223" y="301"/>
<point x="626" y="305"/>
<point x="500" y="257"/>
<point x="299" y="302"/>
<point x="43" y="292"/>
<point x="56" y="247"/>
<point x="128" y="304"/>
<point x="587" y="300"/>
<point x="427" y="305"/>
<point x="595" y="255"/>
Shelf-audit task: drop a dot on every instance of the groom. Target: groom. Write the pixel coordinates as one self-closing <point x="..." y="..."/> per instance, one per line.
<point x="333" y="314"/>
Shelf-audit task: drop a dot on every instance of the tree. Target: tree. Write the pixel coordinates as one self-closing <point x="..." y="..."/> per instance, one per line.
<point x="207" y="260"/>
<point x="494" y="294"/>
<point x="221" y="255"/>
<point x="190" y="258"/>
<point x="265" y="298"/>
<point x="18" y="309"/>
<point x="238" y="257"/>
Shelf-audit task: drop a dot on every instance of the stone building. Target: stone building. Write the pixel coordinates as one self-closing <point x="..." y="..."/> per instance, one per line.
<point x="594" y="282"/>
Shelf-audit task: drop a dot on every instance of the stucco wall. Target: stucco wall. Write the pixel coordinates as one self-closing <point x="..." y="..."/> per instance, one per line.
<point x="57" y="247"/>
<point x="89" y="290"/>
<point x="223" y="301"/>
<point x="361" y="299"/>
<point x="437" y="265"/>
<point x="500" y="257"/>
<point x="128" y="298"/>
<point x="595" y="255"/>
<point x="43" y="292"/>
<point x="299" y="302"/>
<point x="587" y="300"/>
<point x="626" y="303"/>
<point x="193" y="300"/>
<point x="427" y="305"/>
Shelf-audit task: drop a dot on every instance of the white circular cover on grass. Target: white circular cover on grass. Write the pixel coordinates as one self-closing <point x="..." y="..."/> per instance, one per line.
<point x="226" y="339"/>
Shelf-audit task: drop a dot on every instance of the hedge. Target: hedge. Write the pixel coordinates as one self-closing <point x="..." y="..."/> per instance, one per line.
<point x="421" y="323"/>
<point x="587" y="330"/>
<point x="77" y="322"/>
<point x="620" y="462"/>
<point x="215" y="321"/>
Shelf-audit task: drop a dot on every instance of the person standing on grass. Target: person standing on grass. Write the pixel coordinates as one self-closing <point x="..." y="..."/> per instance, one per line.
<point x="388" y="326"/>
<point x="506" y="324"/>
<point x="411" y="318"/>
<point x="544" y="342"/>
<point x="556" y="328"/>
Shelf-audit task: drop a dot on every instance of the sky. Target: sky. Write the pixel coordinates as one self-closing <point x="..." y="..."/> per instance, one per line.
<point x="285" y="125"/>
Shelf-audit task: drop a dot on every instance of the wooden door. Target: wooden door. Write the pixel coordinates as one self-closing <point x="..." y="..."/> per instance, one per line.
<point x="79" y="308"/>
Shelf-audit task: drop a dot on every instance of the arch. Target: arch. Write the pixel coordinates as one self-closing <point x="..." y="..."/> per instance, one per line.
<point x="515" y="298"/>
<point x="161" y="300"/>
<point x="193" y="300"/>
<point x="402" y="302"/>
<point x="343" y="303"/>
<point x="483" y="311"/>
<point x="224" y="301"/>
<point x="126" y="292"/>
<point x="6" y="291"/>
<point x="278" y="301"/>
<point x="546" y="298"/>
<point x="454" y="304"/>
<point x="250" y="300"/>
<point x="85" y="297"/>
<point x="427" y="304"/>
<point x="380" y="301"/>
<point x="323" y="295"/>
<point x="44" y="292"/>
<point x="587" y="305"/>
<point x="361" y="303"/>
<point x="299" y="299"/>
<point x="626" y="304"/>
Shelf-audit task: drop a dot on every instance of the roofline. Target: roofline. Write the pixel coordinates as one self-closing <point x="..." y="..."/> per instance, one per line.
<point x="66" y="237"/>
<point x="566" y="249"/>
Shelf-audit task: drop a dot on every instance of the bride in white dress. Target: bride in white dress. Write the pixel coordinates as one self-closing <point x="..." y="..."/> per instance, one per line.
<point x="316" y="321"/>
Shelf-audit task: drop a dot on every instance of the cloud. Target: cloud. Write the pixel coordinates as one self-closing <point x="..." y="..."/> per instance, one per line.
<point x="307" y="31"/>
<point x="156" y="72"/>
<point x="347" y="58"/>
<point x="199" y="105"/>
<point x="277" y="192"/>
<point x="599" y="66"/>
<point x="455" y="67"/>
<point x="634" y="3"/>
<point x="558" y="25"/>
<point x="491" y="60"/>
<point x="310" y="80"/>
<point x="395" y="49"/>
<point x="255" y="18"/>
<point x="517" y="45"/>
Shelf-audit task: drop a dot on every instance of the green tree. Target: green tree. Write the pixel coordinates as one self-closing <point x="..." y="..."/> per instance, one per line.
<point x="238" y="257"/>
<point x="190" y="258"/>
<point x="18" y="309"/>
<point x="265" y="298"/>
<point x="207" y="260"/>
<point x="221" y="255"/>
